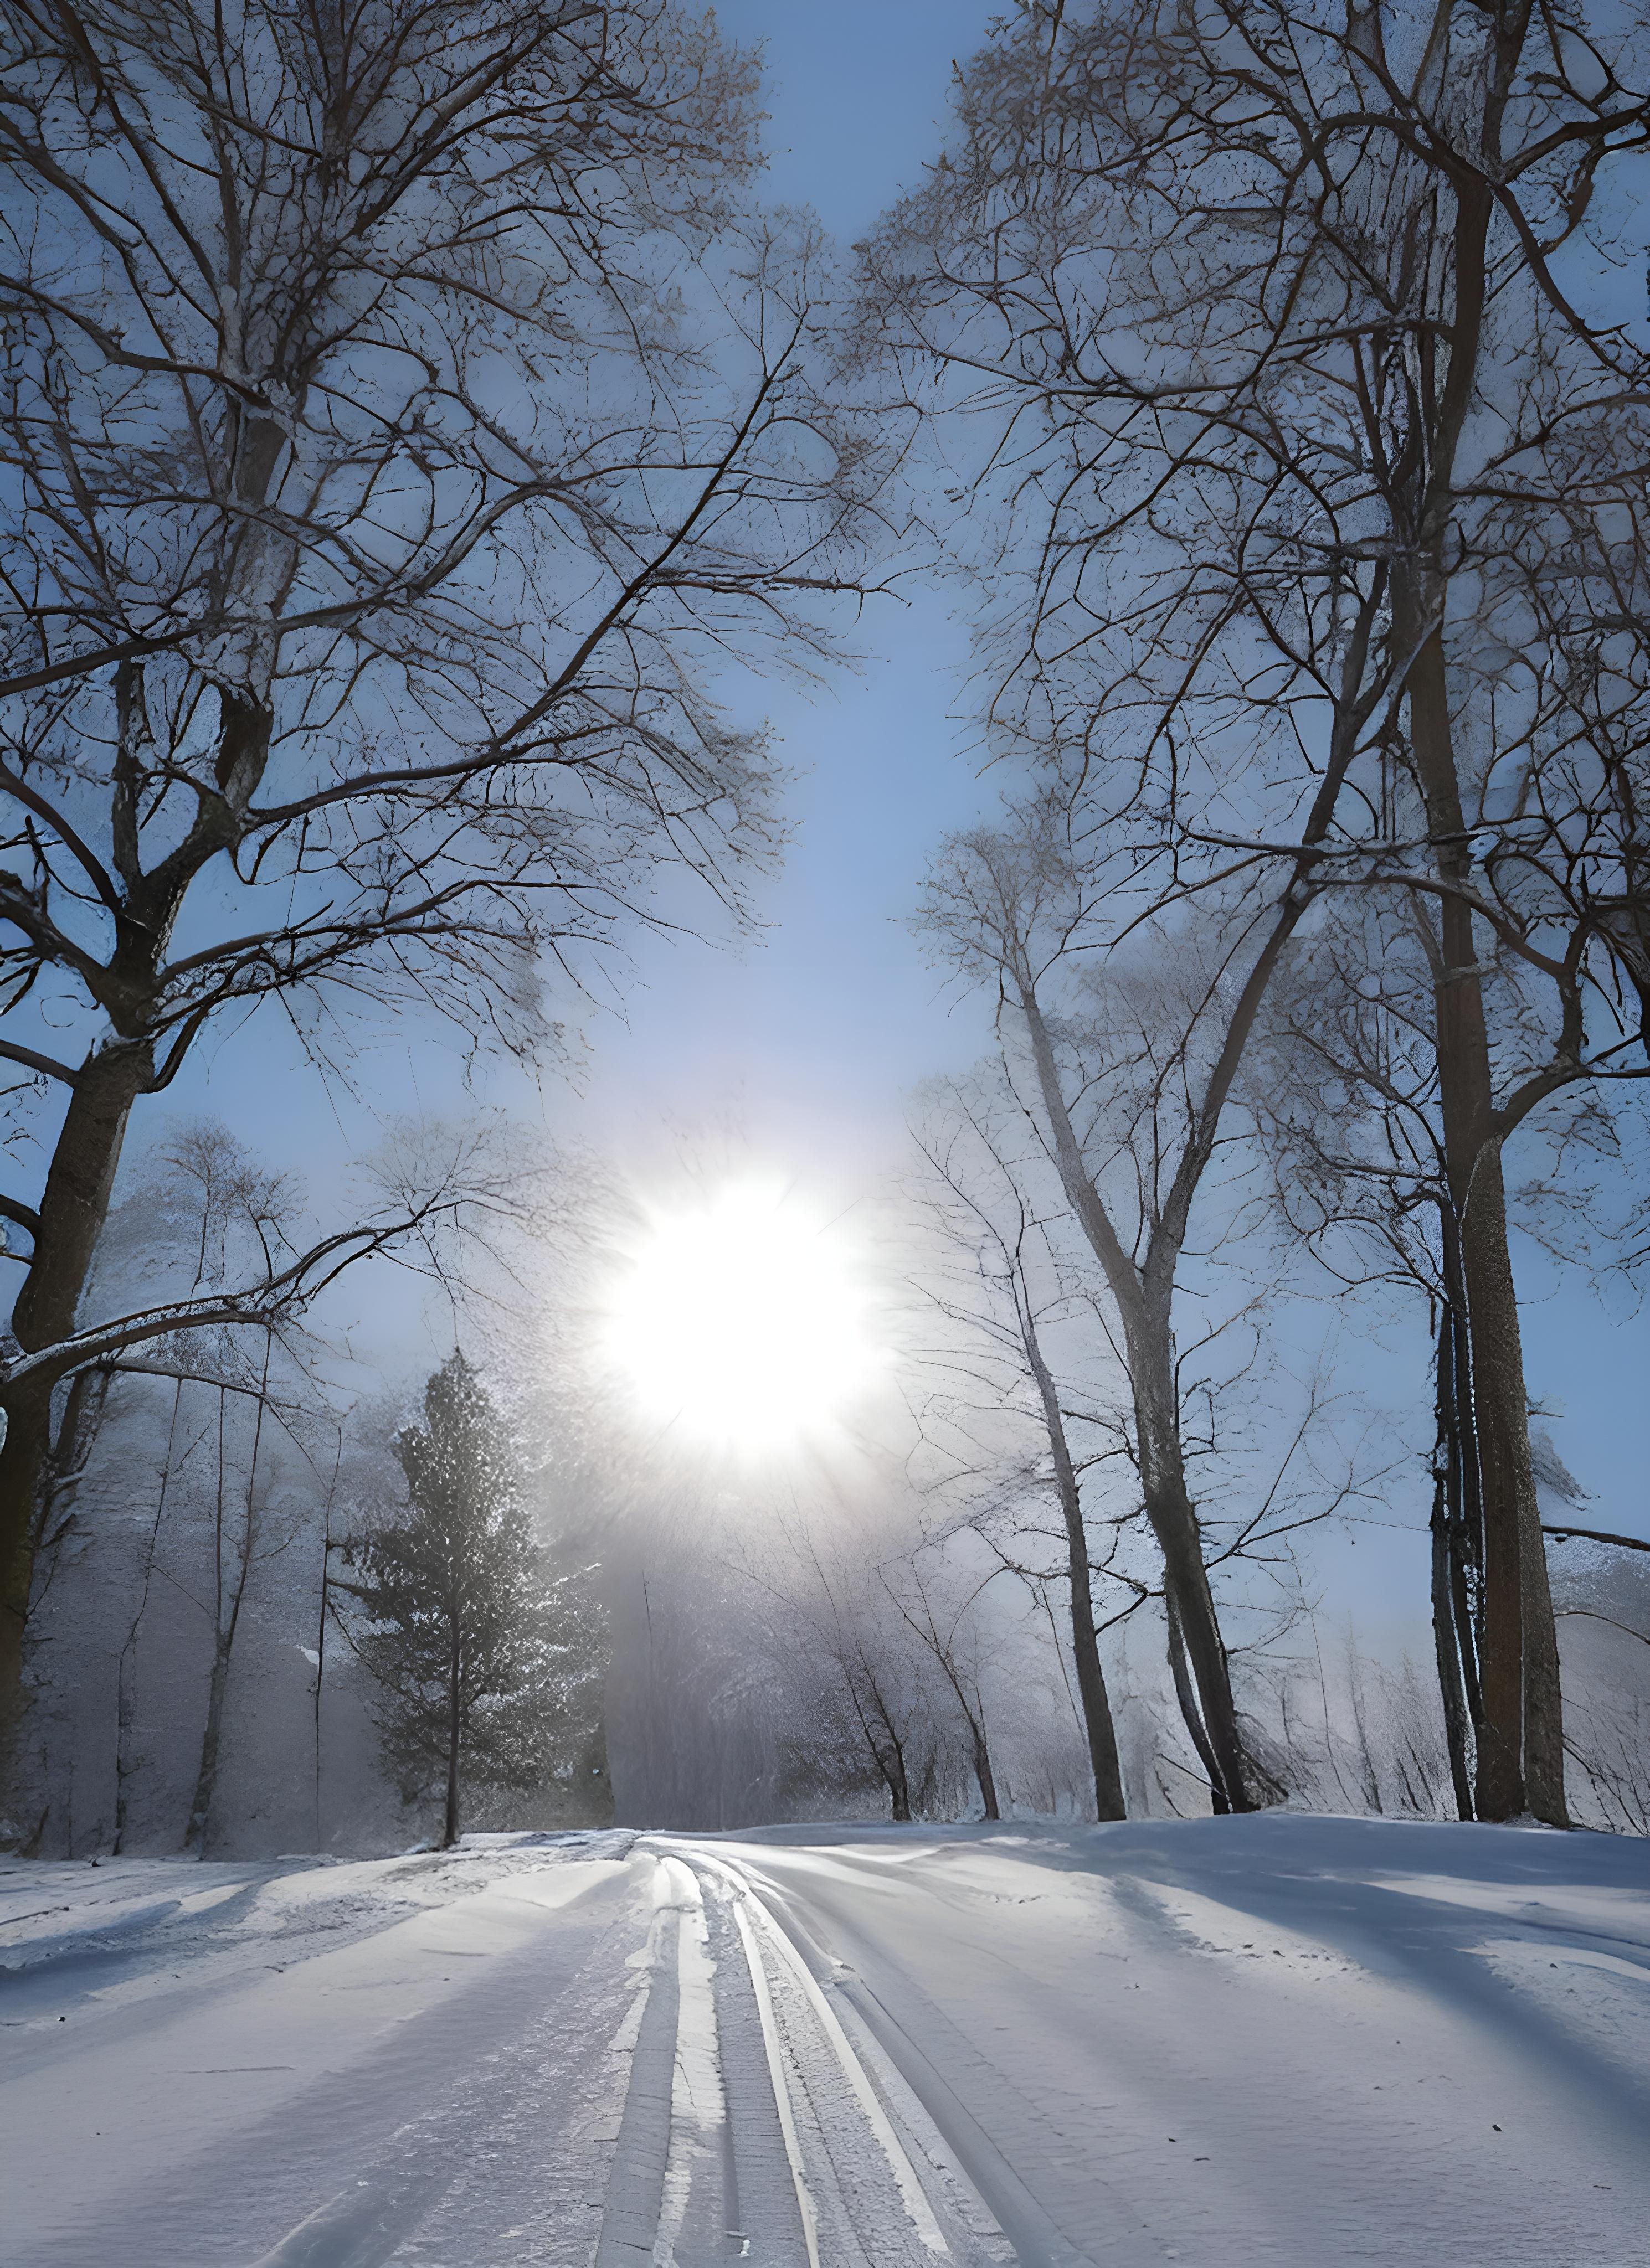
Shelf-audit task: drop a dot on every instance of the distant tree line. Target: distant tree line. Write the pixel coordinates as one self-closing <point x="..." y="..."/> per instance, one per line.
<point x="273" y="1598"/>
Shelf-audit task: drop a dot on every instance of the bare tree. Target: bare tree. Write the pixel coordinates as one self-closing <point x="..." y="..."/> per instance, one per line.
<point x="859" y="1674"/>
<point x="945" y="1627"/>
<point x="1360" y="1735"/>
<point x="402" y="419"/>
<point x="205" y="1157"/>
<point x="324" y="1612"/>
<point x="878" y="1698"/>
<point x="239" y="1542"/>
<point x="1127" y="1088"/>
<point x="1321" y="487"/>
<point x="891" y="1721"/>
<point x="242" y="1406"/>
<point x="184" y="1227"/>
<point x="443" y="1196"/>
<point x="1346" y="1090"/>
<point x="1001" y="1240"/>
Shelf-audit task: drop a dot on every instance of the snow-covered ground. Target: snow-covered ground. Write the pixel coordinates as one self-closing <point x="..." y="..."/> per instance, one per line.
<point x="1282" y="2040"/>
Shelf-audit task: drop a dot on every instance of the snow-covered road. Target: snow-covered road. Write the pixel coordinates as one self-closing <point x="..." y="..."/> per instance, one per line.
<point x="1281" y="2040"/>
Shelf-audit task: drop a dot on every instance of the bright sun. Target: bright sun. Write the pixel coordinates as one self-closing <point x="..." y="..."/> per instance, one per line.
<point x="742" y="1319"/>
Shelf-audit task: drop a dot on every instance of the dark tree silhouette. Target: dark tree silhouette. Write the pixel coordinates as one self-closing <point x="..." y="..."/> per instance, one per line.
<point x="485" y="1662"/>
<point x="403" y="418"/>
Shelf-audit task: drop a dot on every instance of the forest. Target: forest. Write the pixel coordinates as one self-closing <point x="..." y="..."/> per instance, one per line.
<point x="428" y="451"/>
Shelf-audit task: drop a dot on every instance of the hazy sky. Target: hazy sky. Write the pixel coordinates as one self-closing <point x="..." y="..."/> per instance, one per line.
<point x="808" y="1042"/>
<point x="811" y="1039"/>
<point x="818" y="1033"/>
<point x="808" y="1039"/>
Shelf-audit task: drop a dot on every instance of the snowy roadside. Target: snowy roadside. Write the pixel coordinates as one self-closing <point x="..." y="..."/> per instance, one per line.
<point x="1285" y="2039"/>
<point x="194" y="2059"/>
<point x="83" y="1941"/>
<point x="1289" y="2040"/>
<point x="119" y="1927"/>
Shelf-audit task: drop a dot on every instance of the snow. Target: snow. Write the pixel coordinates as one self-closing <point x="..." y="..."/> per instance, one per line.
<point x="1286" y="2039"/>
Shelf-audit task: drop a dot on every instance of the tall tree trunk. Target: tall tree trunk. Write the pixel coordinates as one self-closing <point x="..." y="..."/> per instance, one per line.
<point x="1445" y="1647"/>
<point x="1520" y="1733"/>
<point x="1520" y="1742"/>
<point x="1205" y="1696"/>
<point x="72" y="1212"/>
<point x="1521" y="1640"/>
<point x="455" y="1726"/>
<point x="1186" y="1694"/>
<point x="1209" y="1707"/>
<point x="125" y="1699"/>
<point x="899" y="1783"/>
<point x="320" y="1618"/>
<point x="78" y="1186"/>
<point x="200" y="1828"/>
<point x="1448" y="1634"/>
<point x="24" y="1463"/>
<point x="983" y="1771"/>
<point x="1457" y="1532"/>
<point x="86" y="1155"/>
<point x="225" y="1627"/>
<point x="1098" y="1727"/>
<point x="890" y="1763"/>
<point x="974" y="1719"/>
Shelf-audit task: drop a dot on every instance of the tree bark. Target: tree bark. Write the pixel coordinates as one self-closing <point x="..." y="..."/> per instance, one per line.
<point x="322" y="1614"/>
<point x="126" y="1673"/>
<point x="891" y="1767"/>
<point x="1445" y="1647"/>
<point x="450" y="1821"/>
<point x="1520" y="1641"/>
<point x="1206" y="1699"/>
<point x="1186" y="1694"/>
<point x="200" y="1826"/>
<point x="86" y="1155"/>
<point x="1098" y="1727"/>
<point x="983" y="1771"/>
<point x="25" y="1457"/>
<point x="225" y="1627"/>
<point x="1179" y="1534"/>
<point x="1457" y="1525"/>
<point x="1453" y="1636"/>
<point x="72" y="1212"/>
<point x="1521" y="1741"/>
<point x="1520" y="1735"/>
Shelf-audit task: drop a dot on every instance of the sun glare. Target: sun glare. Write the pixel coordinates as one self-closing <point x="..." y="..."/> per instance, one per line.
<point x="742" y="1319"/>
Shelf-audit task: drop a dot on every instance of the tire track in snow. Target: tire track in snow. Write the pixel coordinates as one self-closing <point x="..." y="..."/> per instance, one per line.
<point x="453" y="2173"/>
<point x="918" y="2208"/>
<point x="807" y="2209"/>
<point x="358" y="2229"/>
<point x="875" y="2206"/>
<point x="759" y="2217"/>
<point x="753" y="2129"/>
<point x="1036" y="2239"/>
<point x="635" y="2184"/>
<point x="456" y="2120"/>
<point x="706" y="2166"/>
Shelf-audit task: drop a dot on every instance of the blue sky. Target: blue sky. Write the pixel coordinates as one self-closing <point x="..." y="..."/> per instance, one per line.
<point x="804" y="1041"/>
<point x="858" y="93"/>
<point x="809" y="1041"/>
<point x="805" y="1045"/>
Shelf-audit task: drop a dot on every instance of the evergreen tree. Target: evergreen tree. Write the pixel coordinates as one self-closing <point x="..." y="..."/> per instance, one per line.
<point x="488" y="1665"/>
